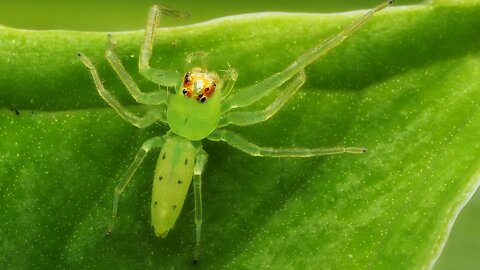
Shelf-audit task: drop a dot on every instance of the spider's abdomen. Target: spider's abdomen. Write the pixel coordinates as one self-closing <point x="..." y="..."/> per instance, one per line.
<point x="173" y="175"/>
<point x="193" y="119"/>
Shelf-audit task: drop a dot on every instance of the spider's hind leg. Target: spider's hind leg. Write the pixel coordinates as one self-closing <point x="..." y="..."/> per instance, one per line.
<point x="153" y="143"/>
<point x="201" y="159"/>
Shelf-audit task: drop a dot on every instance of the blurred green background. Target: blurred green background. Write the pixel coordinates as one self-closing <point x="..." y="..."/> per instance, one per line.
<point x="463" y="247"/>
<point x="121" y="15"/>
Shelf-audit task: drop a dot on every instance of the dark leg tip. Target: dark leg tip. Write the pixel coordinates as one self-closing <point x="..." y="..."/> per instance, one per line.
<point x="364" y="150"/>
<point x="79" y="54"/>
<point x="195" y="261"/>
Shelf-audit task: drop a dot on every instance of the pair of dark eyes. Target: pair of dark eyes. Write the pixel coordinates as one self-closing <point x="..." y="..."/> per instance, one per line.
<point x="200" y="97"/>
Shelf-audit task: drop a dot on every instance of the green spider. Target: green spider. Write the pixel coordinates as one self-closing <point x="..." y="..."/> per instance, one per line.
<point x="200" y="109"/>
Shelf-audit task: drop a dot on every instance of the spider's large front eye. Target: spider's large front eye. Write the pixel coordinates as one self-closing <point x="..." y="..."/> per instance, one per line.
<point x="201" y="98"/>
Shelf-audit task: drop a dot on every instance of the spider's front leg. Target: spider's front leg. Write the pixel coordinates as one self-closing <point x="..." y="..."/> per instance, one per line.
<point x="152" y="98"/>
<point x="249" y="118"/>
<point x="249" y="95"/>
<point x="159" y="76"/>
<point x="149" y="118"/>
<point x="254" y="150"/>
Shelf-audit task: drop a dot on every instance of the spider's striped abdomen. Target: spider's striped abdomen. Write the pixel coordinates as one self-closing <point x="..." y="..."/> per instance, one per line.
<point x="173" y="175"/>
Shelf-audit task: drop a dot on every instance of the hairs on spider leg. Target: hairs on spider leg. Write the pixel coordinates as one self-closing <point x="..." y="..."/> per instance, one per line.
<point x="175" y="13"/>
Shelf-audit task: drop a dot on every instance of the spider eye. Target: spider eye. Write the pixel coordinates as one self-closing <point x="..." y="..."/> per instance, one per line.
<point x="188" y="78"/>
<point x="199" y="84"/>
<point x="186" y="92"/>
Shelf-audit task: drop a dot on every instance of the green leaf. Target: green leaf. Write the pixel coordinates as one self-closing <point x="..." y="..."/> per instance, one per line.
<point x="405" y="86"/>
<point x="461" y="251"/>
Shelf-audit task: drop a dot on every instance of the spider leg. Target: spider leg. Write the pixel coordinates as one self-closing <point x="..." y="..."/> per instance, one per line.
<point x="249" y="95"/>
<point x="152" y="143"/>
<point x="248" y="118"/>
<point x="159" y="76"/>
<point x="254" y="150"/>
<point x="153" y="98"/>
<point x="197" y="58"/>
<point x="201" y="159"/>
<point x="230" y="77"/>
<point x="149" y="118"/>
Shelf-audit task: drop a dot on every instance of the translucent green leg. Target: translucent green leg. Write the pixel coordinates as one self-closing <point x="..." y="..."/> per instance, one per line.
<point x="153" y="98"/>
<point x="248" y="118"/>
<point x="200" y="161"/>
<point x="195" y="59"/>
<point x="153" y="143"/>
<point x="249" y="95"/>
<point x="159" y="76"/>
<point x="230" y="77"/>
<point x="149" y="118"/>
<point x="255" y="150"/>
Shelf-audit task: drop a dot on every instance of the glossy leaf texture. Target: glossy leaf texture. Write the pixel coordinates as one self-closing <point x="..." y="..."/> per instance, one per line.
<point x="407" y="87"/>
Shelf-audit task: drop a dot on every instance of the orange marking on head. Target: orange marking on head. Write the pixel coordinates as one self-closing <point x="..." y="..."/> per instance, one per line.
<point x="199" y="84"/>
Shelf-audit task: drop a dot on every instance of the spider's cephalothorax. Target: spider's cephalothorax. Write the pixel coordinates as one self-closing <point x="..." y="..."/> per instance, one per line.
<point x="194" y="111"/>
<point x="199" y="84"/>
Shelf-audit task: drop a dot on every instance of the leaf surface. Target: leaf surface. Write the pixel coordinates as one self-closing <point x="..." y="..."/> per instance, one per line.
<point x="406" y="87"/>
